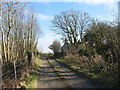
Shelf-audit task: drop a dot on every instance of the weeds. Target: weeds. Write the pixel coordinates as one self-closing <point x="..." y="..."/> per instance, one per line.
<point x="31" y="81"/>
<point x="94" y="67"/>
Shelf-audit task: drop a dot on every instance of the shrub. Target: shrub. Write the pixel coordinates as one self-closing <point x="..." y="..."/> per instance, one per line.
<point x="86" y="50"/>
<point x="94" y="65"/>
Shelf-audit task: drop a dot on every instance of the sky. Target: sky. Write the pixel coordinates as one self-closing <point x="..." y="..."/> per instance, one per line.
<point x="47" y="9"/>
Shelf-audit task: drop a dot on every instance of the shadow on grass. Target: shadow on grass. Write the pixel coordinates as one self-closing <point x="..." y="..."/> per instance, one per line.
<point x="31" y="80"/>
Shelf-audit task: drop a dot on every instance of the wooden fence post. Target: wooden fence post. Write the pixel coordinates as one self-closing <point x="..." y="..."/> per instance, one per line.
<point x="0" y="68"/>
<point x="15" y="70"/>
<point x="0" y="71"/>
<point x="0" y="47"/>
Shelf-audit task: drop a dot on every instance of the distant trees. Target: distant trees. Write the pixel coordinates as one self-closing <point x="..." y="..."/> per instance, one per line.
<point x="55" y="46"/>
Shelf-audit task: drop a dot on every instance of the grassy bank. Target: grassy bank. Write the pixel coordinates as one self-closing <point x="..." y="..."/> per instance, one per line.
<point x="92" y="71"/>
<point x="32" y="79"/>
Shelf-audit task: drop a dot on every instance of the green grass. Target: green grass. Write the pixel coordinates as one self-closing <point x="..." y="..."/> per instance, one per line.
<point x="85" y="71"/>
<point x="89" y="73"/>
<point x="31" y="81"/>
<point x="38" y="62"/>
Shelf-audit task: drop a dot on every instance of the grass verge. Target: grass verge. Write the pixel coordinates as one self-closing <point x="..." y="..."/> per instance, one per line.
<point x="32" y="79"/>
<point x="95" y="78"/>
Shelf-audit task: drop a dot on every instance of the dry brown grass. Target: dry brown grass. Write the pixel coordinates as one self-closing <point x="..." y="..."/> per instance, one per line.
<point x="96" y="66"/>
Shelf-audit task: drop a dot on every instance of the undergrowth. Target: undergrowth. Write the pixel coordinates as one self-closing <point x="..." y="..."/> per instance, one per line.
<point x="31" y="80"/>
<point x="94" y="67"/>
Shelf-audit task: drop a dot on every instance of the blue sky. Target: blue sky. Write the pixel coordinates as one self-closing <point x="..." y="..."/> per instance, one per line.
<point x="47" y="10"/>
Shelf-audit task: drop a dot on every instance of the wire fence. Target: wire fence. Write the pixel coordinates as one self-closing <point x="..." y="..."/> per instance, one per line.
<point x="12" y="72"/>
<point x="0" y="76"/>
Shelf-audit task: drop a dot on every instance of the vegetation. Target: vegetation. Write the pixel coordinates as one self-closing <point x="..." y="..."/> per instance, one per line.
<point x="56" y="47"/>
<point x="71" y="25"/>
<point x="95" y="68"/>
<point x="31" y="81"/>
<point x="94" y="45"/>
<point x="18" y="32"/>
<point x="18" y="35"/>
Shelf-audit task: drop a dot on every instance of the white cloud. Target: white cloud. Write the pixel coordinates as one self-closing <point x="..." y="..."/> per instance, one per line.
<point x="105" y="18"/>
<point x="46" y="41"/>
<point x="109" y="3"/>
<point x="39" y="15"/>
<point x="86" y="1"/>
<point x="44" y="17"/>
<point x="99" y="1"/>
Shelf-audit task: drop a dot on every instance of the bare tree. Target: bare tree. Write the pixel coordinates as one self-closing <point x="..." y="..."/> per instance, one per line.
<point x="11" y="12"/>
<point x="71" y="25"/>
<point x="31" y="34"/>
<point x="19" y="33"/>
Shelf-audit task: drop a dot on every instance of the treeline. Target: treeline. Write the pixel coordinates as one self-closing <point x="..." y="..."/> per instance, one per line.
<point x="18" y="32"/>
<point x="85" y="33"/>
<point x="18" y="35"/>
<point x="94" y="45"/>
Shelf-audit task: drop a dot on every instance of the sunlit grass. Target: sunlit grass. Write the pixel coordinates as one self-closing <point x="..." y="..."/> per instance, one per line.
<point x="92" y="72"/>
<point x="31" y="81"/>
